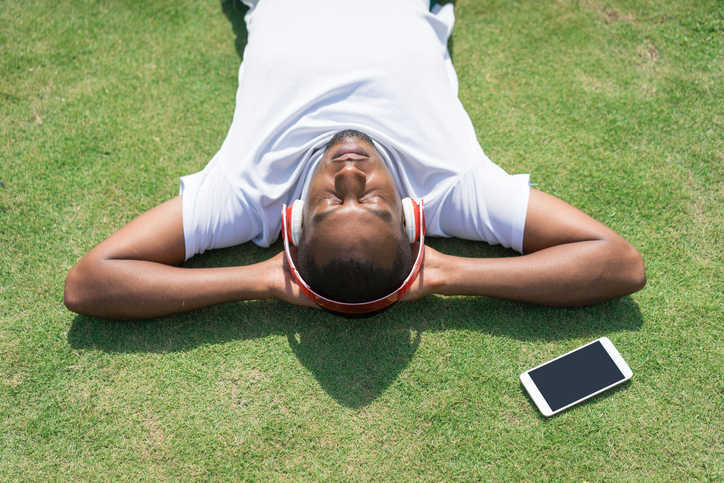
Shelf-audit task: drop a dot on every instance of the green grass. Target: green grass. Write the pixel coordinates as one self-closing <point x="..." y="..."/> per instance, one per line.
<point x="615" y="106"/>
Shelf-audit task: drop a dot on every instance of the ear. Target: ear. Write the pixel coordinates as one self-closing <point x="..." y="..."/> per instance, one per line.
<point x="296" y="221"/>
<point x="409" y="212"/>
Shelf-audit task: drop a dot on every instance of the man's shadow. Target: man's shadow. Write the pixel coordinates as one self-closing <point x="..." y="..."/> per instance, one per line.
<point x="235" y="11"/>
<point x="354" y="360"/>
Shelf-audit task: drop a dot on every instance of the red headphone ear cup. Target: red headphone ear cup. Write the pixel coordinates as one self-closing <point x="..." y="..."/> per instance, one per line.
<point x="286" y="222"/>
<point x="295" y="218"/>
<point x="410" y="211"/>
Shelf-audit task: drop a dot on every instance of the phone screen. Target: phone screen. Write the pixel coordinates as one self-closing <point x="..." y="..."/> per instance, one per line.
<point x="576" y="375"/>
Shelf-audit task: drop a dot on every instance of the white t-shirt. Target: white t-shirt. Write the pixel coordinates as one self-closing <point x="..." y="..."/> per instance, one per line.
<point x="313" y="68"/>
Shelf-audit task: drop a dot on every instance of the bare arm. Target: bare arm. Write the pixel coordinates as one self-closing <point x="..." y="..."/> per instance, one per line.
<point x="132" y="274"/>
<point x="571" y="260"/>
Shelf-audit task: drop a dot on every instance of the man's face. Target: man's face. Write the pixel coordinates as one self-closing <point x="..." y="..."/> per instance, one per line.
<point x="353" y="208"/>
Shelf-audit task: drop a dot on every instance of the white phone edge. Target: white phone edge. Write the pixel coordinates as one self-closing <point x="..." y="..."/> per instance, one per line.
<point x="540" y="401"/>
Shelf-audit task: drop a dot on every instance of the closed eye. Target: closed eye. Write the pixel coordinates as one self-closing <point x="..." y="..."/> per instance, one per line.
<point x="382" y="214"/>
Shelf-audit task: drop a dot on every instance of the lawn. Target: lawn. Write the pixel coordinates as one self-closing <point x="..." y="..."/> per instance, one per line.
<point x="616" y="106"/>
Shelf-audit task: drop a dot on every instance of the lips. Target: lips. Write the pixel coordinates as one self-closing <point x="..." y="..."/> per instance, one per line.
<point x="350" y="149"/>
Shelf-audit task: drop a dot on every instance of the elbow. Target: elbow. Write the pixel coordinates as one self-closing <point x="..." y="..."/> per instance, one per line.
<point x="634" y="274"/>
<point x="72" y="295"/>
<point x="78" y="292"/>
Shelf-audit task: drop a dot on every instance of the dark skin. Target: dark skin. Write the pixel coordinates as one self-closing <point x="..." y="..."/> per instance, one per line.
<point x="570" y="258"/>
<point x="353" y="204"/>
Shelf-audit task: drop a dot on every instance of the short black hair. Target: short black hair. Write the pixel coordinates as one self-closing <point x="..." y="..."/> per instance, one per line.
<point x="351" y="280"/>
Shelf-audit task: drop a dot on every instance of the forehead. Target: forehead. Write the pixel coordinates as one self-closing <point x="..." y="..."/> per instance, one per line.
<point x="362" y="234"/>
<point x="383" y="215"/>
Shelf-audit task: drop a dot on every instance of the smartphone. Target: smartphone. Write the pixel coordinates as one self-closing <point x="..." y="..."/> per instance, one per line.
<point x="575" y="376"/>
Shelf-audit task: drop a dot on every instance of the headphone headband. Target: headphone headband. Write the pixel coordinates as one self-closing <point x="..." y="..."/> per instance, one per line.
<point x="361" y="307"/>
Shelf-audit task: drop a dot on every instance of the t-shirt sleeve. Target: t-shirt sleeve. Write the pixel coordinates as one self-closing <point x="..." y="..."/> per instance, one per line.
<point x="487" y="204"/>
<point x="215" y="215"/>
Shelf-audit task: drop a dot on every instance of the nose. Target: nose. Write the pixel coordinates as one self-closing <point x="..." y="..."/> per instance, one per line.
<point x="350" y="183"/>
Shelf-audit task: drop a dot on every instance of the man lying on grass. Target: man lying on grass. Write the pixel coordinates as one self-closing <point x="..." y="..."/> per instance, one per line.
<point x="351" y="107"/>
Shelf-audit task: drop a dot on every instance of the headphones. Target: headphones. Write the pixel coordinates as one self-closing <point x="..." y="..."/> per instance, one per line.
<point x="414" y="223"/>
